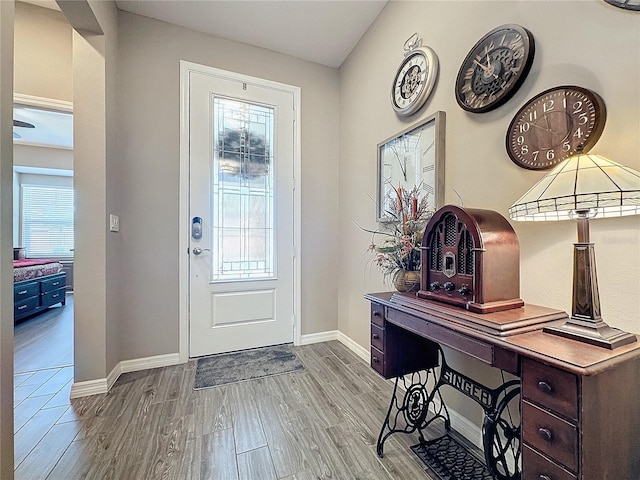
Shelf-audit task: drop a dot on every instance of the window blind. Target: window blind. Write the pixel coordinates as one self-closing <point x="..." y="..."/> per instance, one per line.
<point x="47" y="221"/>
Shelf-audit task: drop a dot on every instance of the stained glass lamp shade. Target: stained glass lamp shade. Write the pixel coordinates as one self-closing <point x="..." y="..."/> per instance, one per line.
<point x="582" y="187"/>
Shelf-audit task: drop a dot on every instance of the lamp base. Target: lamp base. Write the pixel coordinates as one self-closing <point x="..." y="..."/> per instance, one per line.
<point x="596" y="333"/>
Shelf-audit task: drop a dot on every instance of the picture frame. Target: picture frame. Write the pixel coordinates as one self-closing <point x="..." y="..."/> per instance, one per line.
<point x="413" y="157"/>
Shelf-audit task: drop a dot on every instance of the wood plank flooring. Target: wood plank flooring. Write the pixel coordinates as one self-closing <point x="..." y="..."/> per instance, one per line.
<point x="45" y="340"/>
<point x="319" y="423"/>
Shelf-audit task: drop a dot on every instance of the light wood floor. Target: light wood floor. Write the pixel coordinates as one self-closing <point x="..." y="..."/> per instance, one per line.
<point x="322" y="422"/>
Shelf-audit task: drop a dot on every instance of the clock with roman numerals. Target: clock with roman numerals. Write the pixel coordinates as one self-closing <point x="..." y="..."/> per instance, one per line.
<point x="554" y="125"/>
<point x="415" y="77"/>
<point x="495" y="68"/>
<point x="626" y="4"/>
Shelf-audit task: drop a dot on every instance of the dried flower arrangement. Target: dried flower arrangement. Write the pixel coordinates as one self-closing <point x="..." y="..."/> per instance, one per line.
<point x="396" y="244"/>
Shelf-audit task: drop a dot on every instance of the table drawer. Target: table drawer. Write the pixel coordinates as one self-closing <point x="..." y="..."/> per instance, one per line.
<point x="377" y="361"/>
<point x="377" y="314"/>
<point x="551" y="435"/>
<point x="25" y="306"/>
<point x="556" y="389"/>
<point x="52" y="284"/>
<point x="26" y="290"/>
<point x="377" y="337"/>
<point x="539" y="467"/>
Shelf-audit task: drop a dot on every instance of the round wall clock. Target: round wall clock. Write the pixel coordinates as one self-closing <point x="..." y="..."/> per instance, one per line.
<point x="495" y="68"/>
<point x="626" y="4"/>
<point x="554" y="125"/>
<point x="415" y="77"/>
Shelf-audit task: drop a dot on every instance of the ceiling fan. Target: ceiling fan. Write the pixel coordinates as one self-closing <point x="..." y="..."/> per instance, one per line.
<point x="19" y="123"/>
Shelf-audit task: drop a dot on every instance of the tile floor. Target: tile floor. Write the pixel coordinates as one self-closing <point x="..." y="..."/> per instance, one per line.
<point x="41" y="395"/>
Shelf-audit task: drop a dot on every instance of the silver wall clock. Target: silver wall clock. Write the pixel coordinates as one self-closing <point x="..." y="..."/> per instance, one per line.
<point x="415" y="77"/>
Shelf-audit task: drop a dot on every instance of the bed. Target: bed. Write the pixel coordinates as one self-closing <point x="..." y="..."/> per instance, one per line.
<point x="37" y="285"/>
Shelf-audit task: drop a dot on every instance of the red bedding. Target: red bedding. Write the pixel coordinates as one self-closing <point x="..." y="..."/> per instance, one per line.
<point x="29" y="268"/>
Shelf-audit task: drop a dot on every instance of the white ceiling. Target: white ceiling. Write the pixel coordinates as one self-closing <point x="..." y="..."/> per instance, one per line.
<point x="51" y="129"/>
<point x="322" y="31"/>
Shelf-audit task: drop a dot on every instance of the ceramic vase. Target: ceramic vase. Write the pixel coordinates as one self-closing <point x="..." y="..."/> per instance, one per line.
<point x="407" y="281"/>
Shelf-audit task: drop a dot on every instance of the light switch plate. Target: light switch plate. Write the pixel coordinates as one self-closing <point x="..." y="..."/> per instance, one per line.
<point x="114" y="223"/>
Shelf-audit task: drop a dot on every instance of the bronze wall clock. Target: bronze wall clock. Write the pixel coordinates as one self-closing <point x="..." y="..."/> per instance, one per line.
<point x="495" y="68"/>
<point x="415" y="77"/>
<point x="626" y="4"/>
<point x="554" y="125"/>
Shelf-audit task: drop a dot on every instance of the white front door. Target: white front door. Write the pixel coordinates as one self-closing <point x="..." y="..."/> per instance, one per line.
<point x="241" y="260"/>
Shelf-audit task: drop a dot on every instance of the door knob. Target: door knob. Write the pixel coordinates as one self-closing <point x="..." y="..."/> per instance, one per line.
<point x="198" y="250"/>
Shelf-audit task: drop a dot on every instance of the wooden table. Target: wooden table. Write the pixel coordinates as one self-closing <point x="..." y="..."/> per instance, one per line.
<point x="579" y="405"/>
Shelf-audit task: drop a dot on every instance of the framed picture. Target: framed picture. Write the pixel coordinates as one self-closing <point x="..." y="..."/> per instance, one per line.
<point x="412" y="158"/>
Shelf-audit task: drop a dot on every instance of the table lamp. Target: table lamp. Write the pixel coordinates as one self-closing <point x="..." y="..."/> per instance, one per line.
<point x="582" y="187"/>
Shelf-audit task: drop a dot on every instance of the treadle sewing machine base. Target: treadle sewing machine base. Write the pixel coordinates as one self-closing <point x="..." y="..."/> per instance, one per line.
<point x="418" y="403"/>
<point x="578" y="402"/>
<point x="449" y="459"/>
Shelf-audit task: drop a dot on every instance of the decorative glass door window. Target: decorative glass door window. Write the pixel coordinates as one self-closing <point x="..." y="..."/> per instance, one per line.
<point x="243" y="242"/>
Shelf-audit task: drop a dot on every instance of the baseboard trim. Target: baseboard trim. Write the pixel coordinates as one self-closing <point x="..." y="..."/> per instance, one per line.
<point x="103" y="385"/>
<point x="89" y="387"/>
<point x="156" y="361"/>
<point x="466" y="428"/>
<point x="310" y="338"/>
<point x="356" y="348"/>
<point x="335" y="335"/>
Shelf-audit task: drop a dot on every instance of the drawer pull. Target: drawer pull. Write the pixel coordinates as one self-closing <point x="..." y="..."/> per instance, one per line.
<point x="545" y="433"/>
<point x="375" y="360"/>
<point x="22" y="292"/>
<point x="376" y="313"/>
<point x="545" y="387"/>
<point x="544" y="477"/>
<point x="375" y="336"/>
<point x="22" y="307"/>
<point x="55" y="283"/>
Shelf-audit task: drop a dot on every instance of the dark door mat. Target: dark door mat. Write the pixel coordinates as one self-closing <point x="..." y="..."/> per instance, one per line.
<point x="235" y="367"/>
<point x="450" y="460"/>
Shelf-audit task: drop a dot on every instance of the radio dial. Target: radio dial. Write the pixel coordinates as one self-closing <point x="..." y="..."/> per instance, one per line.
<point x="449" y="286"/>
<point x="435" y="286"/>
<point x="464" y="290"/>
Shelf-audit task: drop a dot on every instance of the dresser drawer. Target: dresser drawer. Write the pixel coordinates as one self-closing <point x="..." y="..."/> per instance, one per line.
<point x="52" y="284"/>
<point x="377" y="314"/>
<point x="23" y="291"/>
<point x="539" y="467"/>
<point x="551" y="435"/>
<point x="556" y="389"/>
<point x="377" y="337"/>
<point x="52" y="297"/>
<point x="377" y="361"/>
<point x="25" y="306"/>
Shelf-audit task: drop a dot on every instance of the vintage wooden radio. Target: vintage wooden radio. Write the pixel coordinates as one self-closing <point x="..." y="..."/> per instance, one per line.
<point x="471" y="258"/>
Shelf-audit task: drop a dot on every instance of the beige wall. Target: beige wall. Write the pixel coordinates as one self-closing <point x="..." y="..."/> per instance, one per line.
<point x="42" y="53"/>
<point x="148" y="134"/>
<point x="587" y="43"/>
<point x="95" y="305"/>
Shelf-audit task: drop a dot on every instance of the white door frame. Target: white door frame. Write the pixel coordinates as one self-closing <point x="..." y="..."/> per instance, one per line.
<point x="183" y="229"/>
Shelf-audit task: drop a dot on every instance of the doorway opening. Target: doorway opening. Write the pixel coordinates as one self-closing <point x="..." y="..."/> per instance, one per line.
<point x="43" y="267"/>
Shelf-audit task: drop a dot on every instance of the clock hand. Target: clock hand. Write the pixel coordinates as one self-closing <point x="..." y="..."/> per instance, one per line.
<point x="541" y="128"/>
<point x="480" y="65"/>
